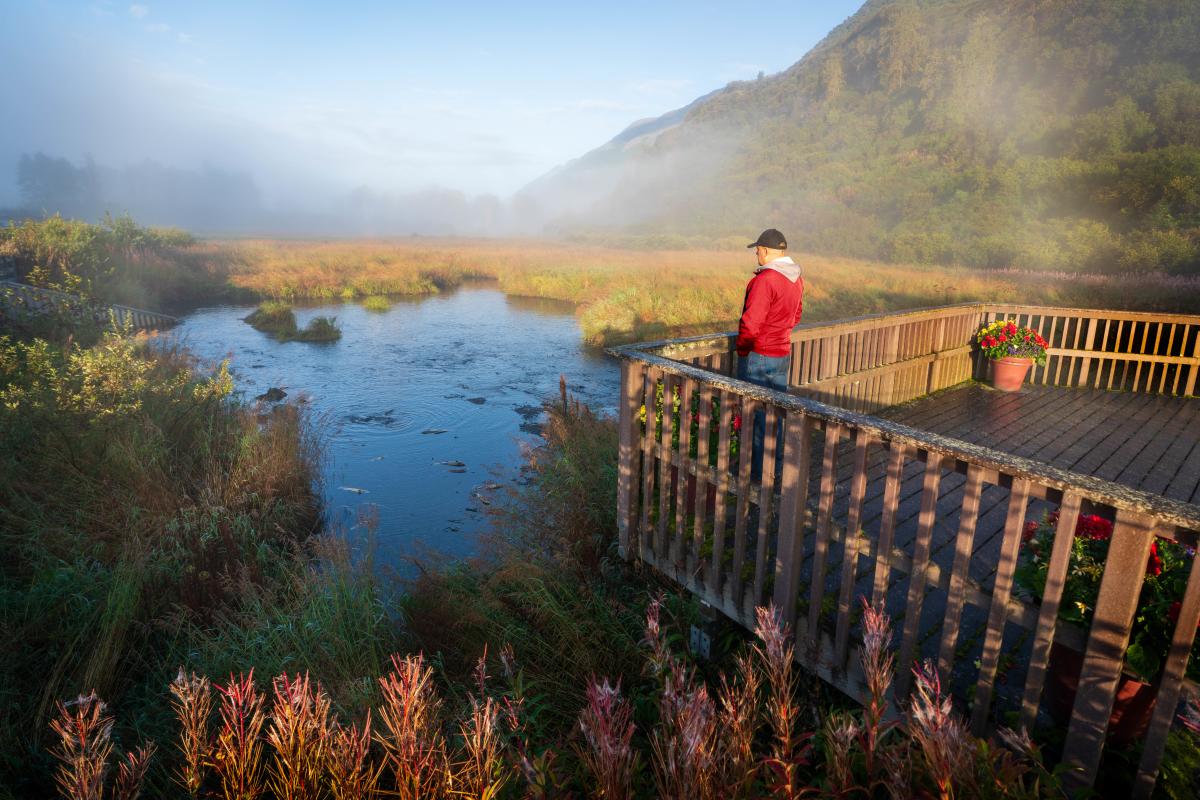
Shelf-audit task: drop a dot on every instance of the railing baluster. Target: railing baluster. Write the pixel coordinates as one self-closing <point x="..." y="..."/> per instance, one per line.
<point x="1056" y="576"/>
<point x="887" y="522"/>
<point x="858" y="491"/>
<point x="833" y="438"/>
<point x="644" y="540"/>
<point x="743" y="506"/>
<point x="964" y="548"/>
<point x="998" y="615"/>
<point x="766" y="490"/>
<point x="724" y="432"/>
<point x="793" y="503"/>
<point x="700" y="504"/>
<point x="1124" y="572"/>
<point x="1190" y="388"/>
<point x="632" y="379"/>
<point x="917" y="584"/>
<point x="666" y="556"/>
<point x="683" y="476"/>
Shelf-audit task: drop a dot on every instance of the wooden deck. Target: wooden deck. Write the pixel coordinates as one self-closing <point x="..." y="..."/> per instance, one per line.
<point x="903" y="485"/>
<point x="1145" y="442"/>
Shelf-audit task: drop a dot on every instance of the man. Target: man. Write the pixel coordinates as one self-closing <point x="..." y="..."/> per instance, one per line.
<point x="773" y="304"/>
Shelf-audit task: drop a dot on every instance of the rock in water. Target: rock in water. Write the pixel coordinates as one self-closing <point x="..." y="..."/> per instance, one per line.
<point x="452" y="463"/>
<point x="429" y="431"/>
<point x="272" y="395"/>
<point x="354" y="489"/>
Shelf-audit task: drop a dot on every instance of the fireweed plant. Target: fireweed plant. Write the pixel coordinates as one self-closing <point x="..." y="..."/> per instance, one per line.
<point x="1004" y="338"/>
<point x="1167" y="569"/>
<point x="745" y="736"/>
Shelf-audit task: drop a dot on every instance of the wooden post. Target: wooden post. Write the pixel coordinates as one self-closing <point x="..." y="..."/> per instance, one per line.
<point x="1120" y="587"/>
<point x="627" y="461"/>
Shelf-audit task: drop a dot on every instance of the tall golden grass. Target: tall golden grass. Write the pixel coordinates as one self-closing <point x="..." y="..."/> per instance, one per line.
<point x="623" y="295"/>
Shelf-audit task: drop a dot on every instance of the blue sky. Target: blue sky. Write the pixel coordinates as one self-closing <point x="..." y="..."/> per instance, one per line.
<point x="481" y="97"/>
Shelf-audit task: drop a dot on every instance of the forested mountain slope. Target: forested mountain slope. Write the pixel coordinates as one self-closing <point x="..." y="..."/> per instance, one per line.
<point x="1052" y="134"/>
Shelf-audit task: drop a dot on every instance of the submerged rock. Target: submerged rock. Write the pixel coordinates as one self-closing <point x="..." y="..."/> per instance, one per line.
<point x="272" y="395"/>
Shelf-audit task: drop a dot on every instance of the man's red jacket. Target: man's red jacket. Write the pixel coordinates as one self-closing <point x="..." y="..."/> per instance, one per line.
<point x="774" y="302"/>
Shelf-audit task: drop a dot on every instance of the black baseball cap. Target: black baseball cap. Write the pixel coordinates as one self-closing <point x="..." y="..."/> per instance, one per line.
<point x="770" y="238"/>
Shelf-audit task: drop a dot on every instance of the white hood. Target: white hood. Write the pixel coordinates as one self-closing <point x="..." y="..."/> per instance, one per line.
<point x="784" y="266"/>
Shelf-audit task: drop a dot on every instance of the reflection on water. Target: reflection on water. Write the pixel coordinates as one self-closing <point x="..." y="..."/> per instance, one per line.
<point x="427" y="403"/>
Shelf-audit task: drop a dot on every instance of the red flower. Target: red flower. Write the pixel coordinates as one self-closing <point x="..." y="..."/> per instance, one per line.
<point x="1154" y="562"/>
<point x="1003" y="338"/>
<point x="1031" y="528"/>
<point x="1093" y="527"/>
<point x="737" y="422"/>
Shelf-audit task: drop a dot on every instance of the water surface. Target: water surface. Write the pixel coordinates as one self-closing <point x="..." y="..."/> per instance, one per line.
<point x="407" y="393"/>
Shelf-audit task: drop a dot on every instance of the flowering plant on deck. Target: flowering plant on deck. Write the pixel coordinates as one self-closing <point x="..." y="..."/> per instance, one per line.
<point x="1166" y="575"/>
<point x="1004" y="338"/>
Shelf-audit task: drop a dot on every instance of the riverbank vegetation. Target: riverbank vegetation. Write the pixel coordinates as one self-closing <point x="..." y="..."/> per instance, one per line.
<point x="620" y="294"/>
<point x="118" y="261"/>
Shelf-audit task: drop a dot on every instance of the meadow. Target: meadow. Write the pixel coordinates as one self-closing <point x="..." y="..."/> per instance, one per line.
<point x="624" y="295"/>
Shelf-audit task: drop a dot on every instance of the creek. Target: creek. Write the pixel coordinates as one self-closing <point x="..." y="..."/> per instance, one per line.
<point x="427" y="409"/>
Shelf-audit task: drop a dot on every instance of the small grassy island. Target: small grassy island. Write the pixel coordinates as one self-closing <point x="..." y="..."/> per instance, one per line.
<point x="279" y="321"/>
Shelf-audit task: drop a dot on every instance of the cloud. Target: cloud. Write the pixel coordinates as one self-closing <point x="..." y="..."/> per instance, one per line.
<point x="137" y="11"/>
<point x="185" y="38"/>
<point x="158" y="27"/>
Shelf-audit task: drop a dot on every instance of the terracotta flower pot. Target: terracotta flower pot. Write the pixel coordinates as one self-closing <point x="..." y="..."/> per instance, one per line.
<point x="1132" y="708"/>
<point x="1009" y="373"/>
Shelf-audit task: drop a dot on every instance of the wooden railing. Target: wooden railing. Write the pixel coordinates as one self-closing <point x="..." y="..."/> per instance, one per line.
<point x="23" y="299"/>
<point x="829" y="535"/>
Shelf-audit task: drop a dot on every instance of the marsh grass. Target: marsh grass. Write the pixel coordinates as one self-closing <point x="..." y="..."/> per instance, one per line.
<point x="626" y="295"/>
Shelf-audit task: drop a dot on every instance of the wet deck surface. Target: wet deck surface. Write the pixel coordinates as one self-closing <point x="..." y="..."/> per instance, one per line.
<point x="1146" y="442"/>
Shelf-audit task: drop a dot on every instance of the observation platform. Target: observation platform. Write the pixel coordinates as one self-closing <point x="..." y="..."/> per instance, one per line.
<point x="907" y="482"/>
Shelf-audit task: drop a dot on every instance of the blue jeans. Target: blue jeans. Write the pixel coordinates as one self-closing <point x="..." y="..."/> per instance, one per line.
<point x="773" y="374"/>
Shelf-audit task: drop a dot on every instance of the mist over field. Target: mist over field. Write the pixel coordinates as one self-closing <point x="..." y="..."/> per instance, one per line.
<point x="274" y="119"/>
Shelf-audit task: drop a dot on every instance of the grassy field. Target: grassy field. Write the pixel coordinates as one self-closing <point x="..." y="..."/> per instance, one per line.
<point x="625" y="295"/>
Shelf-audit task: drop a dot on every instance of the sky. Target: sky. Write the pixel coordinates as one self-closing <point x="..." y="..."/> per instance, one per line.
<point x="395" y="96"/>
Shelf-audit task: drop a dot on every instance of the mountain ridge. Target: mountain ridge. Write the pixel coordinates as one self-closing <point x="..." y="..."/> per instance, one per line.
<point x="1060" y="135"/>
